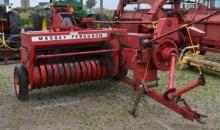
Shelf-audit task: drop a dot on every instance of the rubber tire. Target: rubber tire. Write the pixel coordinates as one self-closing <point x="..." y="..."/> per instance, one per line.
<point x="37" y="21"/>
<point x="21" y="72"/>
<point x="100" y="17"/>
<point x="14" y="23"/>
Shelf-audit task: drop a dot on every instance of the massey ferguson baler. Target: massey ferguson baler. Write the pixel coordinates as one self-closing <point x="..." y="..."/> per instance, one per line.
<point x="76" y="55"/>
<point x="57" y="58"/>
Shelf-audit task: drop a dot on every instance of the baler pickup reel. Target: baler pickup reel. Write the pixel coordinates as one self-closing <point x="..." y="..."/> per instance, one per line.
<point x="67" y="57"/>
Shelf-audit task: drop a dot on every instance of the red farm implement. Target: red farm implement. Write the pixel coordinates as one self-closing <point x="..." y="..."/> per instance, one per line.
<point x="139" y="44"/>
<point x="204" y="53"/>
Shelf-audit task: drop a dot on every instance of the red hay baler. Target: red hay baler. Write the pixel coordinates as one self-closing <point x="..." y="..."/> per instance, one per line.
<point x="71" y="54"/>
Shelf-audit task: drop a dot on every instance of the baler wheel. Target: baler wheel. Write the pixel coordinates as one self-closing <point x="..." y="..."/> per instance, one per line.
<point x="21" y="82"/>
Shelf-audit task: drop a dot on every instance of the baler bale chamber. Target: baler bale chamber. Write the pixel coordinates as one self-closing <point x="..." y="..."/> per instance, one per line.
<point x="57" y="58"/>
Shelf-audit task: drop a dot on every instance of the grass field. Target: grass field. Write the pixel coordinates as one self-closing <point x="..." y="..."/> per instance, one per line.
<point x="103" y="105"/>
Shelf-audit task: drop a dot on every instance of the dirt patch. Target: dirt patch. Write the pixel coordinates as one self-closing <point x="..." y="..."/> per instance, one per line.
<point x="102" y="105"/>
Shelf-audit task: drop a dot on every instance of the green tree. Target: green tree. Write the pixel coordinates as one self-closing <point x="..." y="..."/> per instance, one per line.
<point x="90" y="4"/>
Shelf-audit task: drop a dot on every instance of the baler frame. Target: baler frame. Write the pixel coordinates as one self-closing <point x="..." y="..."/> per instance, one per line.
<point x="48" y="58"/>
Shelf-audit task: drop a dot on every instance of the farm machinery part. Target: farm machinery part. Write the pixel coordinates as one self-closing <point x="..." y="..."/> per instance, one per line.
<point x="77" y="7"/>
<point x="204" y="54"/>
<point x="59" y="10"/>
<point x="9" y="32"/>
<point x="190" y="58"/>
<point x="67" y="54"/>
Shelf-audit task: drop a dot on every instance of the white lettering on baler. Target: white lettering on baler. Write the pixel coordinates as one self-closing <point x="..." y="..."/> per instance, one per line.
<point x="72" y="36"/>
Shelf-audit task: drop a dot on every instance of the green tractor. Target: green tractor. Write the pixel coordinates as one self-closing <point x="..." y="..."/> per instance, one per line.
<point x="43" y="20"/>
<point x="80" y="12"/>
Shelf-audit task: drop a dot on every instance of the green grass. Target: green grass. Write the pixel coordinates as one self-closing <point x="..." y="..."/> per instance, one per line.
<point x="105" y="105"/>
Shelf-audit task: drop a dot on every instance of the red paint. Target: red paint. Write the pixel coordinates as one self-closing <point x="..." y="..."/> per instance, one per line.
<point x="171" y="73"/>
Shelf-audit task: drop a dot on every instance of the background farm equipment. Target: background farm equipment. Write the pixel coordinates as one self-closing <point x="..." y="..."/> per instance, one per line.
<point x="139" y="44"/>
<point x="73" y="8"/>
<point x="9" y="32"/>
<point x="204" y="53"/>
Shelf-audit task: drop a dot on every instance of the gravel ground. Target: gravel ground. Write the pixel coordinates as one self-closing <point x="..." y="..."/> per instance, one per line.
<point x="102" y="105"/>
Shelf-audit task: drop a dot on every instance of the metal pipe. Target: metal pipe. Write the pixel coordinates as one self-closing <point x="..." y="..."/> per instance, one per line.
<point x="172" y="72"/>
<point x="75" y="54"/>
<point x="186" y="88"/>
<point x="184" y="26"/>
<point x="123" y="22"/>
<point x="174" y="93"/>
<point x="185" y="112"/>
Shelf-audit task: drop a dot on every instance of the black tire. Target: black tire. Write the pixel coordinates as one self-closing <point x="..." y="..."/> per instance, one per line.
<point x="91" y="16"/>
<point x="103" y="17"/>
<point x="14" y="41"/>
<point x="21" y="83"/>
<point x="35" y="21"/>
<point x="100" y="17"/>
<point x="14" y="23"/>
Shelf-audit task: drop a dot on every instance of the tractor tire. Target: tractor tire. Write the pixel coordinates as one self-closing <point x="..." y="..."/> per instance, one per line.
<point x="35" y="22"/>
<point x="14" y="23"/>
<point x="103" y="17"/>
<point x="100" y="17"/>
<point x="21" y="83"/>
<point x="92" y="16"/>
